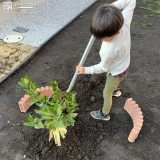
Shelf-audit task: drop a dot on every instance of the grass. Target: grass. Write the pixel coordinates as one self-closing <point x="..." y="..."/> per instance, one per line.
<point x="149" y="7"/>
<point x="144" y="26"/>
<point x="135" y="24"/>
<point x="148" y="16"/>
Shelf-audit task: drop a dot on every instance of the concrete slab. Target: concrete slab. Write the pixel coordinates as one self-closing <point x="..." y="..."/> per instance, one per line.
<point x="43" y="21"/>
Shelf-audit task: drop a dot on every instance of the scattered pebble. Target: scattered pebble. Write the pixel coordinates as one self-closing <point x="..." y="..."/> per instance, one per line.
<point x="101" y="137"/>
<point x="88" y="109"/>
<point x="98" y="152"/>
<point x="92" y="99"/>
<point x="100" y="125"/>
<point x="86" y="158"/>
<point x="70" y="148"/>
<point x="79" y="156"/>
<point x="78" y="143"/>
<point x="98" y="140"/>
<point x="95" y="79"/>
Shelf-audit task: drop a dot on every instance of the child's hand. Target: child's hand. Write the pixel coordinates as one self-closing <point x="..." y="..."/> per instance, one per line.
<point x="80" y="70"/>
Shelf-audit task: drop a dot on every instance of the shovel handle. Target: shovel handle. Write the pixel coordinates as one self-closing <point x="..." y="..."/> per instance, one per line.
<point x="83" y="59"/>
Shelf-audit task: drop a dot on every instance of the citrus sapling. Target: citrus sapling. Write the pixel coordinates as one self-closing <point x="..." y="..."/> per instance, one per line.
<point x="56" y="113"/>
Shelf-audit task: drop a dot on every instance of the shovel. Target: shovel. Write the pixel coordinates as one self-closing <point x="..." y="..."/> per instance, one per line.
<point x="85" y="54"/>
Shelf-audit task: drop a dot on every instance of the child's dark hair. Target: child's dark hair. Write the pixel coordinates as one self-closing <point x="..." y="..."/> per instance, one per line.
<point x="106" y="21"/>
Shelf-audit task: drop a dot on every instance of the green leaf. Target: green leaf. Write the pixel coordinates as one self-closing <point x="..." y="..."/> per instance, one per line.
<point x="36" y="120"/>
<point x="41" y="105"/>
<point x="29" y="124"/>
<point x="43" y="112"/>
<point x="26" y="77"/>
<point x="30" y="118"/>
<point x="70" y="120"/>
<point x="39" y="125"/>
<point x="50" y="110"/>
<point x="58" y="122"/>
<point x="29" y="92"/>
<point x="26" y="81"/>
<point x="55" y="97"/>
<point x="33" y="100"/>
<point x="61" y="101"/>
<point x="50" y="125"/>
<point x="58" y="109"/>
<point x="71" y="110"/>
<point x="73" y="115"/>
<point x="33" y="86"/>
<point x="54" y="85"/>
<point x="42" y="99"/>
<point x="45" y="117"/>
<point x="65" y="123"/>
<point x="22" y="84"/>
<point x="38" y="93"/>
<point x="39" y="111"/>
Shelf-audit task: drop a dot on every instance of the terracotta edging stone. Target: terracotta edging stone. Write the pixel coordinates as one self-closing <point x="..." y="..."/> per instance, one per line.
<point x="24" y="103"/>
<point x="137" y="116"/>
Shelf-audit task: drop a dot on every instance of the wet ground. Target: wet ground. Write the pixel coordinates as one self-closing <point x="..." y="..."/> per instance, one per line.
<point x="89" y="139"/>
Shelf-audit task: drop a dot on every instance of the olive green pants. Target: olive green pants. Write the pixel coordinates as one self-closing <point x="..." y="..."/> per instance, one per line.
<point x="110" y="86"/>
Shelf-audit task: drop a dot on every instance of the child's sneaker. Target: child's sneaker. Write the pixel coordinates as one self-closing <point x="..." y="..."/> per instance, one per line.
<point x="116" y="93"/>
<point x="99" y="115"/>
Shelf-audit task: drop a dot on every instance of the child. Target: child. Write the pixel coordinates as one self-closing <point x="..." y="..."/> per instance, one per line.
<point x="112" y="27"/>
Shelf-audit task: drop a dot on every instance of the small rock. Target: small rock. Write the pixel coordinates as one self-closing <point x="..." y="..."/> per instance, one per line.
<point x="95" y="129"/>
<point x="92" y="99"/>
<point x="88" y="109"/>
<point x="104" y="133"/>
<point x="44" y="150"/>
<point x="100" y="125"/>
<point x="50" y="144"/>
<point x="71" y="157"/>
<point x="100" y="137"/>
<point x="95" y="79"/>
<point x="37" y="157"/>
<point x="86" y="158"/>
<point x="94" y="123"/>
<point x="98" y="152"/>
<point x="78" y="143"/>
<point x="70" y="148"/>
<point x="14" y="139"/>
<point x="79" y="156"/>
<point x="85" y="79"/>
<point x="98" y="140"/>
<point x="93" y="156"/>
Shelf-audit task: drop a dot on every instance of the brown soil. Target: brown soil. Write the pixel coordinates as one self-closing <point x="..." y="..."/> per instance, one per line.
<point x="89" y="139"/>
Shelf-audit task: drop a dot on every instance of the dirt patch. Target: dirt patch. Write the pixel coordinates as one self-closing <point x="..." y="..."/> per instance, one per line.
<point x="90" y="139"/>
<point x="11" y="55"/>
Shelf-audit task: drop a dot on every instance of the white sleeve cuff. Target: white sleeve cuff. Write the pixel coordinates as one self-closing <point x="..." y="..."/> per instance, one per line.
<point x="88" y="70"/>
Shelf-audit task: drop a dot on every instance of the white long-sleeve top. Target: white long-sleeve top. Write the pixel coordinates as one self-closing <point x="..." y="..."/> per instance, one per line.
<point x="115" y="55"/>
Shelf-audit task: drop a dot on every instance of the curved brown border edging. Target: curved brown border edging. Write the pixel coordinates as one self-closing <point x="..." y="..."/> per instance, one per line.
<point x="24" y="103"/>
<point x="137" y="116"/>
